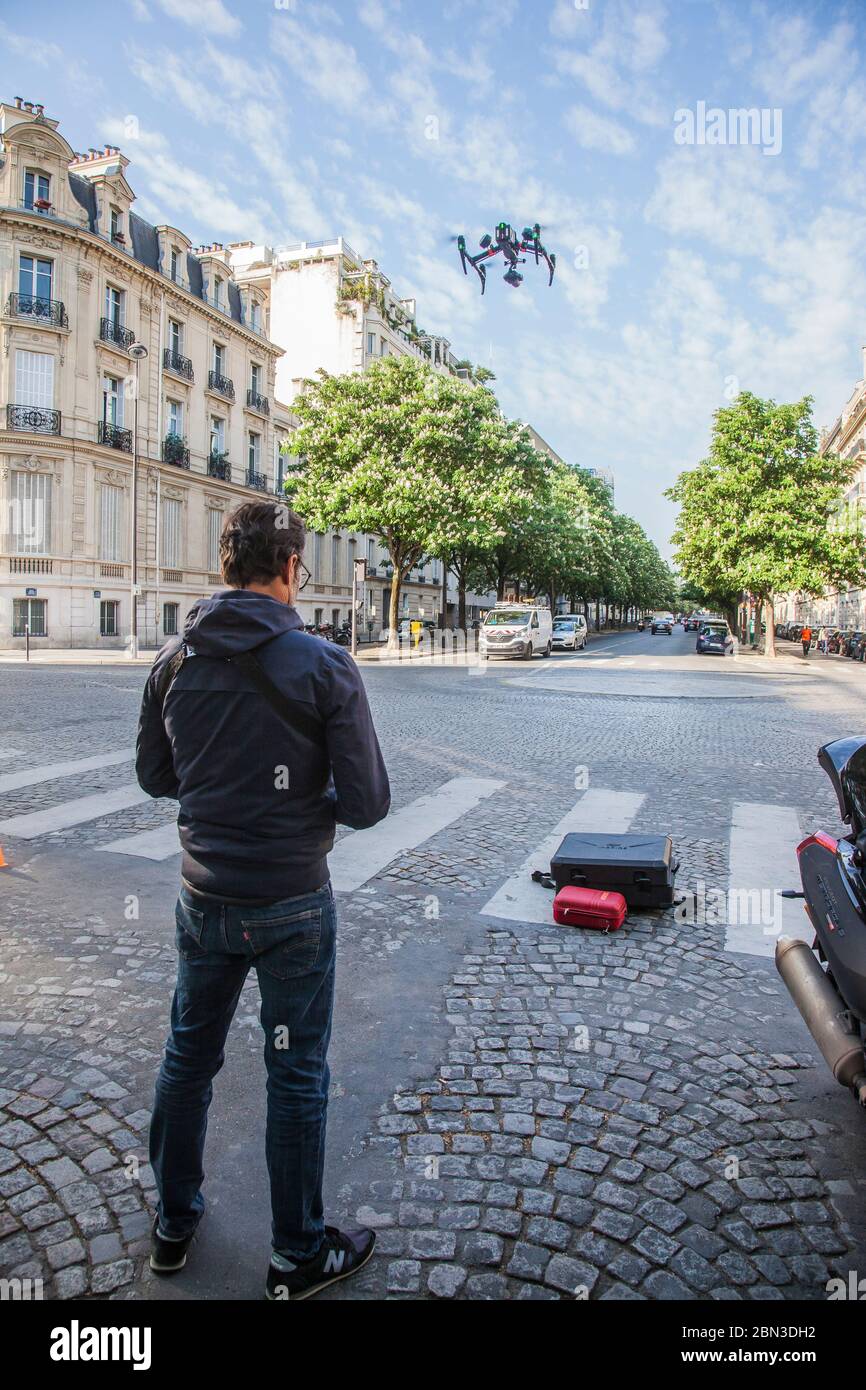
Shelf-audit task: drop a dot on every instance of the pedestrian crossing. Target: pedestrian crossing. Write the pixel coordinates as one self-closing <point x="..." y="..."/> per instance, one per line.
<point x="762" y="845"/>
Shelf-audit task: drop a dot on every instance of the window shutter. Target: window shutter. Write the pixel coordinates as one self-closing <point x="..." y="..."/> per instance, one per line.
<point x="171" y="519"/>
<point x="30" y="519"/>
<point x="110" y="532"/>
<point x="34" y="379"/>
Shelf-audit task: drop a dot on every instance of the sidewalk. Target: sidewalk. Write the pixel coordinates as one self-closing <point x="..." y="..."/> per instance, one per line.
<point x="76" y="656"/>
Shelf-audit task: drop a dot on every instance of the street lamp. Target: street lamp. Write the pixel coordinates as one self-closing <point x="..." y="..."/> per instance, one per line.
<point x="137" y="352"/>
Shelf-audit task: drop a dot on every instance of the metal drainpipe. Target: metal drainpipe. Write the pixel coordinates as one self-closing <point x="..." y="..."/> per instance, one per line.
<point x="159" y="439"/>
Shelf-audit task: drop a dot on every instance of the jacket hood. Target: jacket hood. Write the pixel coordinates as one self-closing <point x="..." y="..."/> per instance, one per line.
<point x="237" y="620"/>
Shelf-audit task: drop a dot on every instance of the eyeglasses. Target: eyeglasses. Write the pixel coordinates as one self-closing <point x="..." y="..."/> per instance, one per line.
<point x="307" y="576"/>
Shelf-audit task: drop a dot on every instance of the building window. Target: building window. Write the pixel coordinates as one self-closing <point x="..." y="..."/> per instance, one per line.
<point x="108" y="615"/>
<point x="110" y="522"/>
<point x="371" y="344"/>
<point x="219" y="359"/>
<point x="30" y="512"/>
<point x="175" y="418"/>
<point x="218" y="292"/>
<point x="116" y="222"/>
<point x="175" y="337"/>
<point x="383" y="351"/>
<point x="335" y="617"/>
<point x="169" y="619"/>
<point x="112" y="401"/>
<point x="174" y="263"/>
<point x="317" y="556"/>
<point x="255" y="452"/>
<point x="317" y="616"/>
<point x="34" y="379"/>
<point x="29" y="612"/>
<point x="371" y="554"/>
<point x="114" y="306"/>
<point x="335" y="559"/>
<point x="255" y="378"/>
<point x="217" y="435"/>
<point x="37" y="188"/>
<point x="171" y="523"/>
<point x="255" y="316"/>
<point x="214" y="531"/>
<point x="35" y="277"/>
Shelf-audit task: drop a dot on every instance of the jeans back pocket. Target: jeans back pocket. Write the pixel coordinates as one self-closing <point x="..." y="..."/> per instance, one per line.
<point x="286" y="946"/>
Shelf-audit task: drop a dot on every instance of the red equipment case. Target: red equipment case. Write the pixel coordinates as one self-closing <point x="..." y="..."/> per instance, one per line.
<point x="589" y="907"/>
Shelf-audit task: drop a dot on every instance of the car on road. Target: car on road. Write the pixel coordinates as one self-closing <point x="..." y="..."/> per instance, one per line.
<point x="693" y="622"/>
<point x="662" y="622"/>
<point x="569" y="632"/>
<point x="516" y="630"/>
<point x="715" y="638"/>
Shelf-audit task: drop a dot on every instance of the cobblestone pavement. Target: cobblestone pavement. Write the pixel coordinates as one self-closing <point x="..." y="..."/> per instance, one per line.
<point x="521" y="1111"/>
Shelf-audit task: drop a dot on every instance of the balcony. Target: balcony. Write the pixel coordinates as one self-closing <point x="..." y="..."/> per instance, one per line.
<point x="223" y="385"/>
<point x="114" y="436"/>
<point x="33" y="306"/>
<point x="112" y="332"/>
<point x="175" y="362"/>
<point x="218" y="466"/>
<point x="256" y="480"/>
<point x="174" y="450"/>
<point x="33" y="419"/>
<point x="259" y="403"/>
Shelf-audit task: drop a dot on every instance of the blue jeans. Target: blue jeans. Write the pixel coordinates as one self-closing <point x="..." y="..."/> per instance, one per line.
<point x="292" y="945"/>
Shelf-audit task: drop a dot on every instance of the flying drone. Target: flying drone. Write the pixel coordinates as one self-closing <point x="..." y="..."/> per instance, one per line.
<point x="506" y="240"/>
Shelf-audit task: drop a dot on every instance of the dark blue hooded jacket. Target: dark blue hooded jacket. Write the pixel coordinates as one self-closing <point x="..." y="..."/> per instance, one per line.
<point x="221" y="749"/>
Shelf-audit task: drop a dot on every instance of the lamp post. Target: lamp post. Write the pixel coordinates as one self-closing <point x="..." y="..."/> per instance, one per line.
<point x="137" y="352"/>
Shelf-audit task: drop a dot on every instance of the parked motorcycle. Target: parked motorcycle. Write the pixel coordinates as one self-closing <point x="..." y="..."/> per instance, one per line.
<point x="827" y="981"/>
<point x="343" y="635"/>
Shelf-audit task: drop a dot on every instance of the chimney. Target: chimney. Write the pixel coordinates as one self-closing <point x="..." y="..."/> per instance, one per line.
<point x="18" y="103"/>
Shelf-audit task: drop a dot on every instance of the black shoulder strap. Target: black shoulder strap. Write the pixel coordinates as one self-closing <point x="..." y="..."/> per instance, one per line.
<point x="294" y="712"/>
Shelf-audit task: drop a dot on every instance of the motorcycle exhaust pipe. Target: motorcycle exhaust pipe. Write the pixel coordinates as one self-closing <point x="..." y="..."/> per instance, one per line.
<point x="824" y="1014"/>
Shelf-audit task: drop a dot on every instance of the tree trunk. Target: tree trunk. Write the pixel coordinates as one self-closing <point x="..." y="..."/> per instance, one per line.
<point x="597" y="614"/>
<point x="461" y="601"/>
<point x="393" y="618"/>
<point x="767" y="615"/>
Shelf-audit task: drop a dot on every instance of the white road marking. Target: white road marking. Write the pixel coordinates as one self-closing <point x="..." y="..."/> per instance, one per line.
<point x="521" y="900"/>
<point x="11" y="753"/>
<point x="362" y="854"/>
<point x="763" y="861"/>
<point x="31" y="776"/>
<point x="160" y="843"/>
<point x="75" y="812"/>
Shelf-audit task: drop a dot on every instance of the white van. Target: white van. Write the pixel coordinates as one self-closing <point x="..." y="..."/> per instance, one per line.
<point x="516" y="630"/>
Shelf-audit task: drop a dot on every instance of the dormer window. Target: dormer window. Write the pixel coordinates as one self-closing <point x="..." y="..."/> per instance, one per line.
<point x="116" y="223"/>
<point x="255" y="315"/>
<point x="174" y="264"/>
<point x="218" y="292"/>
<point x="37" y="190"/>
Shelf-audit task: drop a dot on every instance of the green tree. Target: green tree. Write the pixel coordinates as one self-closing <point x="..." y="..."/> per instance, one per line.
<point x="418" y="458"/>
<point x="761" y="513"/>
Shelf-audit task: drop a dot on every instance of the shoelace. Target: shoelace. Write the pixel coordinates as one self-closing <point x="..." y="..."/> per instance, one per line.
<point x="337" y="1238"/>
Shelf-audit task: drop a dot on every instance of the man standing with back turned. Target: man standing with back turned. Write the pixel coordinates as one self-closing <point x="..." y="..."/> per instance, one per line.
<point x="263" y="734"/>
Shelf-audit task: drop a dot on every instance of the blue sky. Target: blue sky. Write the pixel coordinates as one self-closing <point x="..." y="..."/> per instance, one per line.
<point x="686" y="271"/>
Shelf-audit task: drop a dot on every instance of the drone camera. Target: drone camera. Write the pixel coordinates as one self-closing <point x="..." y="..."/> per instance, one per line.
<point x="513" y="277"/>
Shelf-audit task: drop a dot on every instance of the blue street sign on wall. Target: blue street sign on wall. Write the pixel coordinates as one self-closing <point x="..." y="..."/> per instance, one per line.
<point x="30" y="593"/>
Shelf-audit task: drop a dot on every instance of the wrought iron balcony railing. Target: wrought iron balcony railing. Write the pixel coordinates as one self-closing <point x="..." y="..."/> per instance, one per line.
<point x="259" y="403"/>
<point x="112" y="332"/>
<point x="223" y="385"/>
<point x="174" y="450"/>
<point x="256" y="480"/>
<point x="115" y="436"/>
<point x="218" y="466"/>
<point x="176" y="362"/>
<point x="34" y="418"/>
<point x="33" y="306"/>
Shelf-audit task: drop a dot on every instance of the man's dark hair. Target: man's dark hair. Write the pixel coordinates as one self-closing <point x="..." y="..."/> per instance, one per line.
<point x="257" y="540"/>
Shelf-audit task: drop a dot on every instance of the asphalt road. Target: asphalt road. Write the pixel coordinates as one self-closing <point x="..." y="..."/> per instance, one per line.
<point x="522" y="1110"/>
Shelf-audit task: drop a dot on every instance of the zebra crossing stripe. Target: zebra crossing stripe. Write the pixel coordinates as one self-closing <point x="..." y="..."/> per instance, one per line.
<point x="521" y="900"/>
<point x="763" y="861"/>
<point x="159" y="843"/>
<point x="362" y="854"/>
<point x="76" y="812"/>
<point x="32" y="776"/>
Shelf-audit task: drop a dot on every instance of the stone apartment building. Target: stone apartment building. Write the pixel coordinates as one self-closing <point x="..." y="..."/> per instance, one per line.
<point x="846" y="607"/>
<point x="83" y="281"/>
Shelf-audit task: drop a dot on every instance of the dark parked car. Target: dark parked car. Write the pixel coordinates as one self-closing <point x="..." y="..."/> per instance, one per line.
<point x="660" y="624"/>
<point x="715" y="638"/>
<point x="857" y="646"/>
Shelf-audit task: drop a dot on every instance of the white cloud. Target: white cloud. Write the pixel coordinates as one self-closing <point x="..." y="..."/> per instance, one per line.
<point x="327" y="65"/>
<point x="209" y="15"/>
<point x="596" y="132"/>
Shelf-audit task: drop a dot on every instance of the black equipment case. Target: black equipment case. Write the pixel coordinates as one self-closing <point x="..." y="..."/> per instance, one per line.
<point x="638" y="866"/>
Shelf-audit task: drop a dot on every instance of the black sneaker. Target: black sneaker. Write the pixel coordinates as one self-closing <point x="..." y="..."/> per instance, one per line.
<point x="341" y="1254"/>
<point x="167" y="1256"/>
